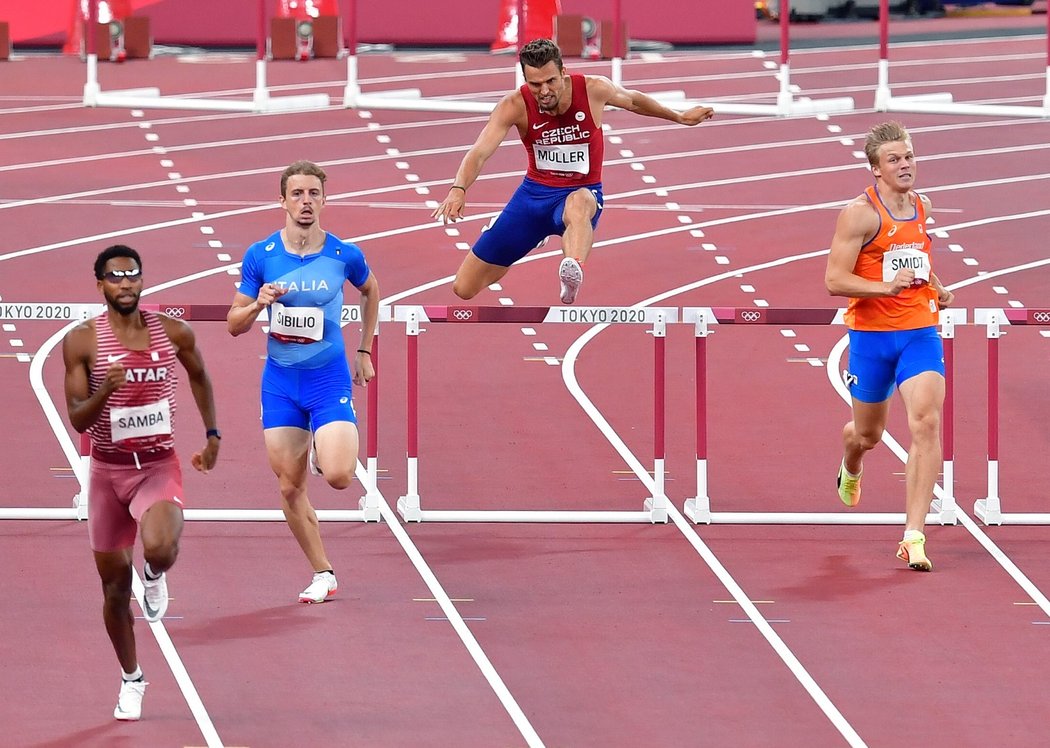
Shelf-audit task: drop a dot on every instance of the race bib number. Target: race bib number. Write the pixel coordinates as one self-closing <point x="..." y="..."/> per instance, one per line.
<point x="571" y="158"/>
<point x="296" y="324"/>
<point x="901" y="259"/>
<point x="139" y="422"/>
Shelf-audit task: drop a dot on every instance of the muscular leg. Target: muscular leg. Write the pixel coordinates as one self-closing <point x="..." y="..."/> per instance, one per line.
<point x="475" y="274"/>
<point x="863" y="433"/>
<point x="287" y="449"/>
<point x="578" y="238"/>
<point x="336" y="443"/>
<point x="923" y="397"/>
<point x="160" y="528"/>
<point x="114" y="569"/>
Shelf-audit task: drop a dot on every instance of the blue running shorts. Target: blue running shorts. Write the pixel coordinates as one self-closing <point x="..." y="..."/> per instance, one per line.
<point x="307" y="398"/>
<point x="880" y="359"/>
<point x="533" y="213"/>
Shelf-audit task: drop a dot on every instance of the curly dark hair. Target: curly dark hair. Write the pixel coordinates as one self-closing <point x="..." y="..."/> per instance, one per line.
<point x="117" y="250"/>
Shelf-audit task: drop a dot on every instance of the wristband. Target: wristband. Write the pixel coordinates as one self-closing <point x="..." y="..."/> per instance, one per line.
<point x="458" y="187"/>
<point x="362" y="350"/>
<point x="213" y="432"/>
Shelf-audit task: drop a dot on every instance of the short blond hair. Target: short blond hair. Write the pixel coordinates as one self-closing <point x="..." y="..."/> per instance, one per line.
<point x="887" y="132"/>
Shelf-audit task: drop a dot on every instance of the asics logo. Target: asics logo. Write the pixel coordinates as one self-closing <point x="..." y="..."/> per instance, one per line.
<point x="540" y="125"/>
<point x="892" y="230"/>
<point x="750" y="315"/>
<point x="344" y="400"/>
<point x="1041" y="317"/>
<point x="269" y="247"/>
<point x="849" y="379"/>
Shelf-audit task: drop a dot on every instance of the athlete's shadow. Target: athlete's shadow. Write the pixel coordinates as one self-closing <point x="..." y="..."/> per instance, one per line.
<point x="840" y="577"/>
<point x="253" y="624"/>
<point x="108" y="735"/>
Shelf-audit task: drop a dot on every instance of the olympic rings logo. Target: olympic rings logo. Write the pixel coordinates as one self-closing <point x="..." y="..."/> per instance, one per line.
<point x="175" y="311"/>
<point x="463" y="315"/>
<point x="1041" y="317"/>
<point x="750" y="316"/>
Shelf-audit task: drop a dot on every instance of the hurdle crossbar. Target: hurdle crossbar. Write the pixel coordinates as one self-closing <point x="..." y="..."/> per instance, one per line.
<point x="989" y="509"/>
<point x="942" y="102"/>
<point x="369" y="505"/>
<point x="151" y="98"/>
<point x="655" y="506"/>
<point x="698" y="508"/>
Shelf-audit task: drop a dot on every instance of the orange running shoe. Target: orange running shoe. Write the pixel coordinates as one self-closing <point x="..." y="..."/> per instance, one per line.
<point x="913" y="552"/>
<point x="849" y="487"/>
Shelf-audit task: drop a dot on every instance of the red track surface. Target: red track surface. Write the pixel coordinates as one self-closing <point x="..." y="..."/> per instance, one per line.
<point x="604" y="635"/>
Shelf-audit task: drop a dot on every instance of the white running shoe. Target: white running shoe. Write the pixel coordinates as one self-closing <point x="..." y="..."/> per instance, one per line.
<point x="155" y="597"/>
<point x="129" y="702"/>
<point x="321" y="588"/>
<point x="570" y="273"/>
<point x="315" y="468"/>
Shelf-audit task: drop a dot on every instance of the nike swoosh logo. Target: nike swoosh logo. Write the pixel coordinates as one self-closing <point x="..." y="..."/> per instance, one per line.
<point x="541" y="124"/>
<point x="112" y="359"/>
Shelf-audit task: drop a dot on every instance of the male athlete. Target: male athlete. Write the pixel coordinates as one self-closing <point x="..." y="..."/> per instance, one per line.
<point x="559" y="119"/>
<point x="120" y="387"/>
<point x="880" y="258"/>
<point x="298" y="274"/>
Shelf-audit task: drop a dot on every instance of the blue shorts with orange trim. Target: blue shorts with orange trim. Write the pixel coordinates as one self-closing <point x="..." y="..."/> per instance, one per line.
<point x="881" y="359"/>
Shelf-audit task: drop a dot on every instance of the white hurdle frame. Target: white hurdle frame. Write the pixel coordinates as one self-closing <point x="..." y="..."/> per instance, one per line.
<point x="989" y="509"/>
<point x="150" y="98"/>
<point x="410" y="507"/>
<point x="942" y="103"/>
<point x="369" y="505"/>
<point x="698" y="508"/>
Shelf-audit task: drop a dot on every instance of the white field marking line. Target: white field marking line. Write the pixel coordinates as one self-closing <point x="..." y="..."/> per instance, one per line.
<point x="517" y="174"/>
<point x="743" y="599"/>
<point x="833" y="367"/>
<point x="449" y="609"/>
<point x="170" y="654"/>
<point x="178" y="669"/>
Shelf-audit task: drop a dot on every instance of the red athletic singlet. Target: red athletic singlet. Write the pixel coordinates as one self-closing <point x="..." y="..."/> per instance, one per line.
<point x="564" y="150"/>
<point x="140" y="416"/>
<point x="898" y="244"/>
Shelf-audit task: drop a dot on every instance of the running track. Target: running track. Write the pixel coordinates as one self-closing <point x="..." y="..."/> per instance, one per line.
<point x="561" y="635"/>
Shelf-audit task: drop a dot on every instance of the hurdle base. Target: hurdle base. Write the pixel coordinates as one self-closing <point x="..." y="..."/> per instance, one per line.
<point x="944" y="515"/>
<point x="369" y="506"/>
<point x="786" y="107"/>
<point x="943" y="104"/>
<point x="408" y="508"/>
<point x="813" y="518"/>
<point x="417" y="104"/>
<point x="988" y="511"/>
<point x="147" y="99"/>
<point x="698" y="510"/>
<point x="657" y="510"/>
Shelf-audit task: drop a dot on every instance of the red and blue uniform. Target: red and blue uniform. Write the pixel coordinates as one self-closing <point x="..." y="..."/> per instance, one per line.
<point x="565" y="154"/>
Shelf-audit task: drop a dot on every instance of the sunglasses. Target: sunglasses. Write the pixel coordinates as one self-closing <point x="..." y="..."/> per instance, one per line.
<point x="115" y="276"/>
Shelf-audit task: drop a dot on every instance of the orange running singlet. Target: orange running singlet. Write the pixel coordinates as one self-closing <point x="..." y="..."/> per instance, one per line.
<point x="899" y="243"/>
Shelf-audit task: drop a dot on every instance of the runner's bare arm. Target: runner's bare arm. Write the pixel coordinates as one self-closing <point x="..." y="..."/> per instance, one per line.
<point x="602" y="91"/>
<point x="363" y="369"/>
<point x="509" y="112"/>
<point x="189" y="355"/>
<point x="83" y="405"/>
<point x="245" y="310"/>
<point x="857" y="223"/>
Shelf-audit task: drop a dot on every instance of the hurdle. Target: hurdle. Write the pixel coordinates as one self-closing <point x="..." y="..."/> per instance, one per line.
<point x="989" y="509"/>
<point x="655" y="507"/>
<point x="147" y="98"/>
<point x="698" y="508"/>
<point x="787" y="105"/>
<point x="79" y="456"/>
<point x="942" y="103"/>
<point x="409" y="99"/>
